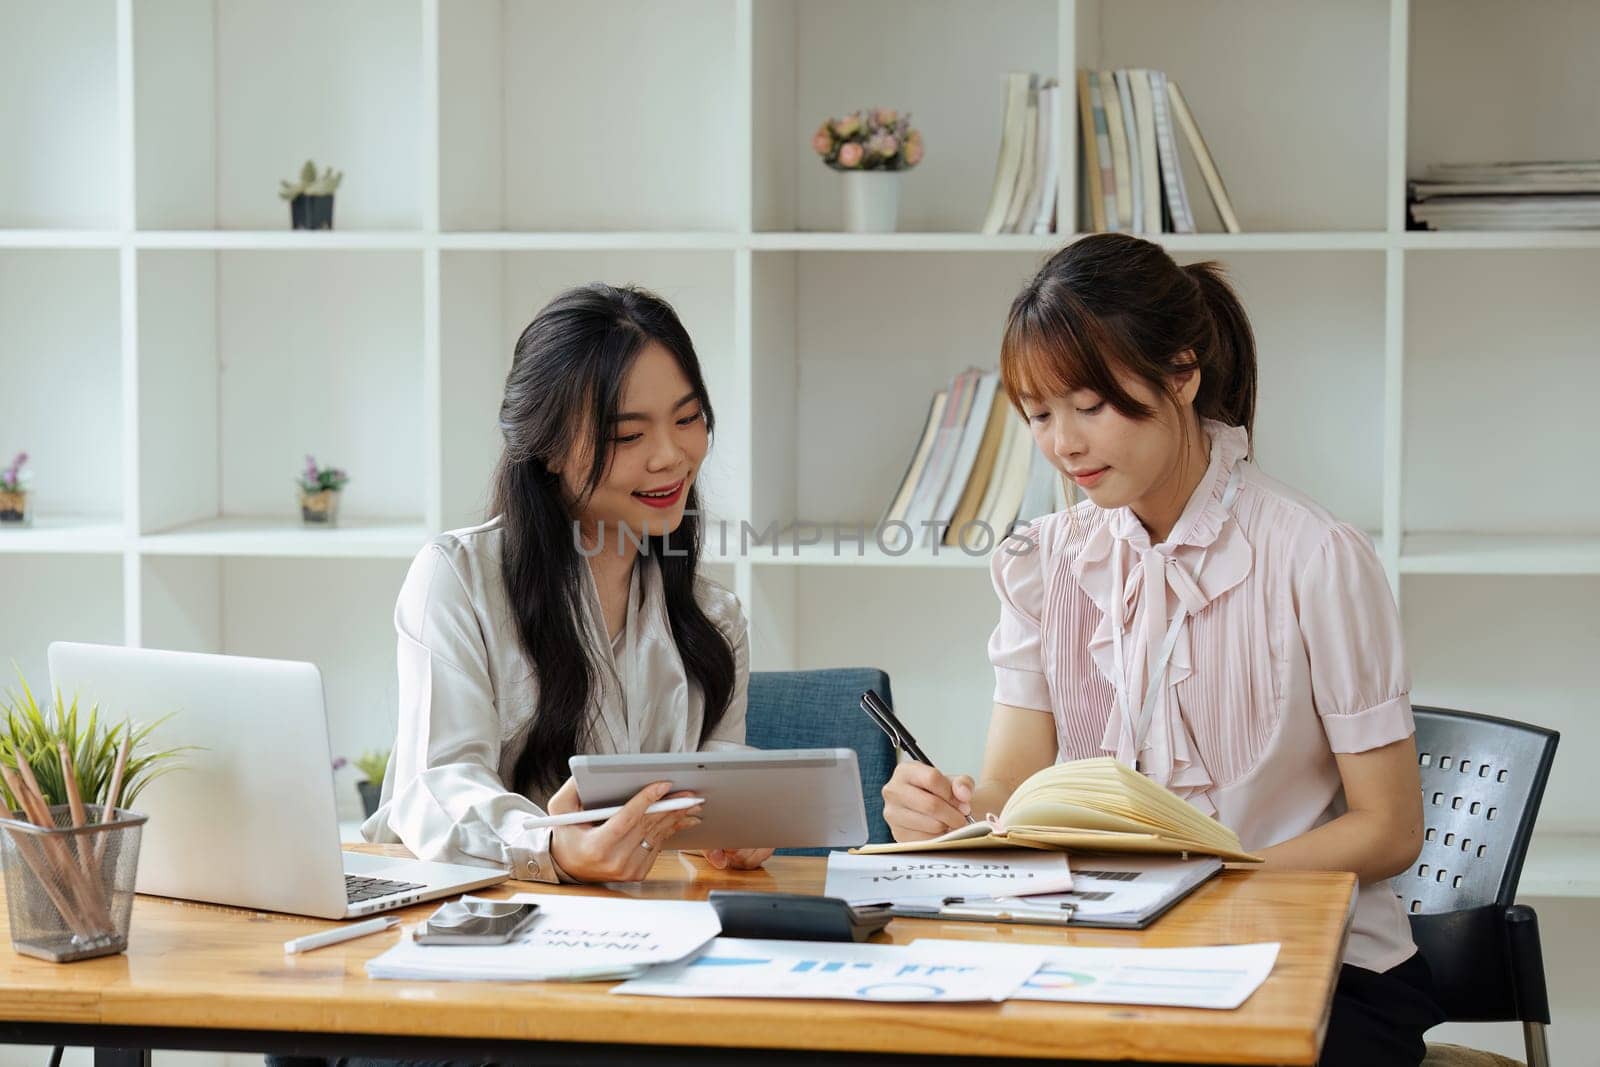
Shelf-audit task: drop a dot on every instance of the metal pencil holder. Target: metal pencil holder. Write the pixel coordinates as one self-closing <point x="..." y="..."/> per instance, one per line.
<point x="69" y="890"/>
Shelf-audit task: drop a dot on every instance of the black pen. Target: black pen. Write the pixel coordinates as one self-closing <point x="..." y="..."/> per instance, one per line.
<point x="881" y="714"/>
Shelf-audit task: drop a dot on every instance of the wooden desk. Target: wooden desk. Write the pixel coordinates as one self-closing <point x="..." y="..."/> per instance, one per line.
<point x="204" y="977"/>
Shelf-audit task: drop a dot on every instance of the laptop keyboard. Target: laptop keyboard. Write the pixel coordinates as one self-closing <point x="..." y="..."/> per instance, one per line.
<point x="358" y="889"/>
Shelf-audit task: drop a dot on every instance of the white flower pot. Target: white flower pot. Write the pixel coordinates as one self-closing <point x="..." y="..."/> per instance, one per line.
<point x="871" y="200"/>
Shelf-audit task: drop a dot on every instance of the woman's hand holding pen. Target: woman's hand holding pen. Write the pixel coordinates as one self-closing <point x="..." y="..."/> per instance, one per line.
<point x="624" y="847"/>
<point x="919" y="802"/>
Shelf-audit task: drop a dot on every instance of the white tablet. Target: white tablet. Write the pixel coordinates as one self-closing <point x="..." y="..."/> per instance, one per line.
<point x="782" y="798"/>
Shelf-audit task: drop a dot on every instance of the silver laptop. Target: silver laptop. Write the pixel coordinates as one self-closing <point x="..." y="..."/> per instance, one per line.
<point x="249" y="819"/>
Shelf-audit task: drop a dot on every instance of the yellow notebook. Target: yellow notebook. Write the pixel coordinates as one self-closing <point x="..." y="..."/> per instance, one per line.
<point x="1096" y="804"/>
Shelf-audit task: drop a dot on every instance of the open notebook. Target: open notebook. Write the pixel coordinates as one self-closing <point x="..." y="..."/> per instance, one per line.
<point x="1096" y="804"/>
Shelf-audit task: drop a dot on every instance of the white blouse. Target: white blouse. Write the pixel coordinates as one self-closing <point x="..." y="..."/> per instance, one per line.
<point x="467" y="692"/>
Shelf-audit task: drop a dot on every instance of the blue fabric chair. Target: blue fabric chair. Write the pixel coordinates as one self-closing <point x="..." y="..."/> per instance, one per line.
<point x="822" y="709"/>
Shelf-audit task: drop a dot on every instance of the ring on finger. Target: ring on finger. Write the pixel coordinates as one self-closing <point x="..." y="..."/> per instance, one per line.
<point x="647" y="846"/>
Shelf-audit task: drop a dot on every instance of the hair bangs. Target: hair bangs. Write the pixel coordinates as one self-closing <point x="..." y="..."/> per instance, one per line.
<point x="1053" y="351"/>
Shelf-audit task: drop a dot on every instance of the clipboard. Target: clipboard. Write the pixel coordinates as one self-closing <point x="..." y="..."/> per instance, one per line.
<point x="1067" y="913"/>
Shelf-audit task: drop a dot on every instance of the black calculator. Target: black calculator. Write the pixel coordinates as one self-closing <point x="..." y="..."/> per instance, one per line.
<point x="795" y="917"/>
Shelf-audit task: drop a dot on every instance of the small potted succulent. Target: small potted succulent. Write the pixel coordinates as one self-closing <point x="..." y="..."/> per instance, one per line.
<point x="870" y="148"/>
<point x="14" y="482"/>
<point x="311" y="197"/>
<point x="319" y="493"/>
<point x="371" y="766"/>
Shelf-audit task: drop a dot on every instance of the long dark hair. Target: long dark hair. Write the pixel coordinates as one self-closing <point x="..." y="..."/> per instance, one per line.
<point x="566" y="379"/>
<point x="1113" y="299"/>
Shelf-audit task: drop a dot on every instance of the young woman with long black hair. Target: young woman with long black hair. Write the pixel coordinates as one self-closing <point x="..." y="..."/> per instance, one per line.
<point x="575" y="620"/>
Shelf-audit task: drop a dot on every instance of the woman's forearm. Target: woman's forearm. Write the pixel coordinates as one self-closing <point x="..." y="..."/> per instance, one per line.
<point x="1364" y="842"/>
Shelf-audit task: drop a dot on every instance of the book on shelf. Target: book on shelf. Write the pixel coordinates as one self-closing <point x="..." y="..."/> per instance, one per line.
<point x="942" y="455"/>
<point x="1177" y="194"/>
<point x="1027" y="172"/>
<point x="1094" y="804"/>
<point x="964" y="456"/>
<point x="1202" y="157"/>
<point x="1024" y="182"/>
<point x="908" y="481"/>
<point x="1009" y="164"/>
<point x="1038" y="210"/>
<point x="1144" y="117"/>
<point x="982" y="472"/>
<point x="1132" y="122"/>
<point x="1010" y="479"/>
<point x="1102" y="151"/>
<point x="1130" y="133"/>
<point x="1094" y="197"/>
<point x="1557" y="195"/>
<point x="1121" y="170"/>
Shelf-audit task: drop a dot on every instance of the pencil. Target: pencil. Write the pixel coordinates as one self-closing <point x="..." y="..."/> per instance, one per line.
<point x="39" y="863"/>
<point x="82" y="844"/>
<point x="108" y="805"/>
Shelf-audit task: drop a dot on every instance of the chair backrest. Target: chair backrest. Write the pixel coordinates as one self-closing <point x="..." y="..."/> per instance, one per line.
<point x="1482" y="781"/>
<point x="822" y="709"/>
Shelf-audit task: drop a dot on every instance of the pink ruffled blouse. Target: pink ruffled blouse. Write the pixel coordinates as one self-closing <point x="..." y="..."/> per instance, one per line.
<point x="1291" y="652"/>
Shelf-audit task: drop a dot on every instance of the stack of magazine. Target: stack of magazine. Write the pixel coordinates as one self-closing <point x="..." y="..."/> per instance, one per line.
<point x="1508" y="196"/>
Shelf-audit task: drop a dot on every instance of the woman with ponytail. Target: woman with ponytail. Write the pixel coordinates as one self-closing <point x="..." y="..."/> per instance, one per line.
<point x="575" y="620"/>
<point x="1194" y="618"/>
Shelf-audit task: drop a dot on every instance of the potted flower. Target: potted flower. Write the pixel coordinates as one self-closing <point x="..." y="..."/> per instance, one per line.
<point x="870" y="148"/>
<point x="319" y="493"/>
<point x="14" y="482"/>
<point x="311" y="197"/>
<point x="371" y="766"/>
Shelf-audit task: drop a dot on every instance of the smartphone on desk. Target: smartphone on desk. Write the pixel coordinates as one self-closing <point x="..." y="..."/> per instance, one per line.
<point x="475" y="921"/>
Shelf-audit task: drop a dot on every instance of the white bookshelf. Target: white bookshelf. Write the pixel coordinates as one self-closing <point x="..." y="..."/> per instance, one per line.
<point x="170" y="350"/>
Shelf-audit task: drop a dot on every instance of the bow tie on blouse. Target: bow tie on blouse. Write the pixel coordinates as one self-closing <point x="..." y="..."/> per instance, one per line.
<point x="1157" y="582"/>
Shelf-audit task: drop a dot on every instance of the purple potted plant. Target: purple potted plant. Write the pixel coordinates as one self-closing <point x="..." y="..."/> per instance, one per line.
<point x="14" y="482"/>
<point x="319" y="493"/>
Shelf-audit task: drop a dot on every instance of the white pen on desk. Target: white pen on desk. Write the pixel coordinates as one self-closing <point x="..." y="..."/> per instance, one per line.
<point x="339" y="933"/>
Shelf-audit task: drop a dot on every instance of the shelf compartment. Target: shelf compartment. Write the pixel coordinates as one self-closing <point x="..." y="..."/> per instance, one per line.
<point x="943" y="61"/>
<point x="1495" y="402"/>
<point x="231" y="98"/>
<point x="58" y="77"/>
<point x="61" y="363"/>
<point x="1299" y="134"/>
<point x="1457" y="115"/>
<point x="250" y="360"/>
<point x="642" y="141"/>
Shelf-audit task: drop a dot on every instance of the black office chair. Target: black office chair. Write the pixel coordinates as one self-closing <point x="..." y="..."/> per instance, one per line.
<point x="1482" y="781"/>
